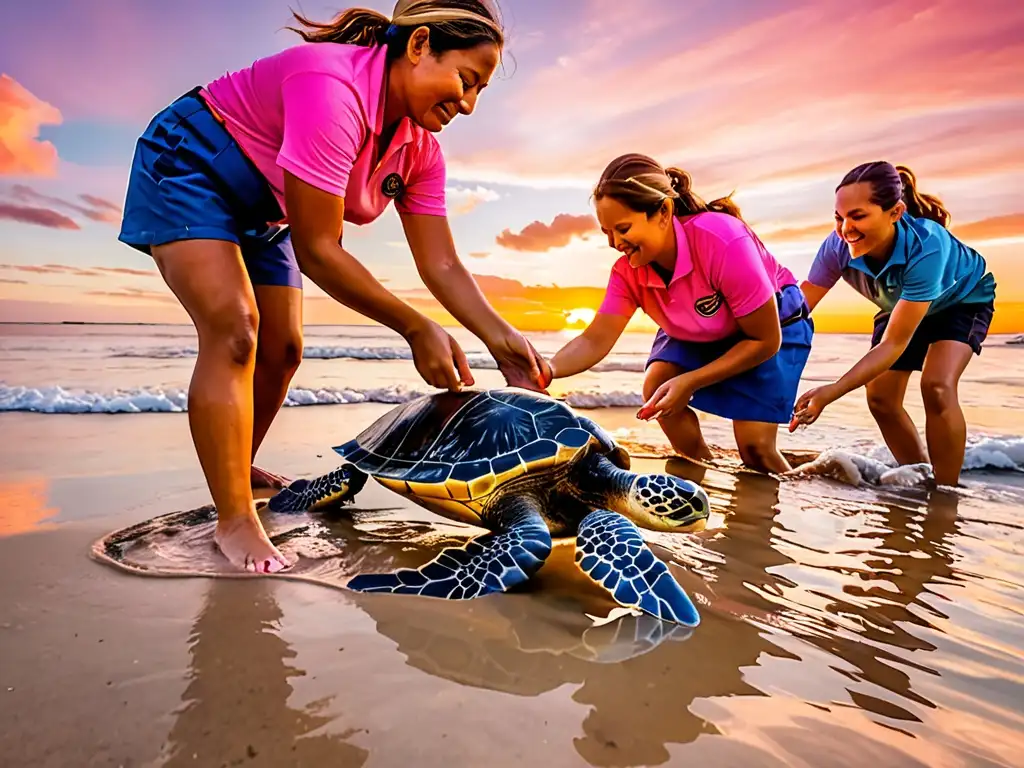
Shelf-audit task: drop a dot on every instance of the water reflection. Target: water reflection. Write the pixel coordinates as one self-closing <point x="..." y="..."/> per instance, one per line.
<point x="235" y="708"/>
<point x="855" y="589"/>
<point x="817" y="606"/>
<point x="25" y="506"/>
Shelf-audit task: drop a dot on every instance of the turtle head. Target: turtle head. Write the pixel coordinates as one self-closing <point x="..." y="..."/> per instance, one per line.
<point x="668" y="503"/>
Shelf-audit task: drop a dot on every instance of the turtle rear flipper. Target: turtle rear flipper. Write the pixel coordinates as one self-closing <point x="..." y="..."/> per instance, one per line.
<point x="491" y="562"/>
<point x="611" y="551"/>
<point x="337" y="486"/>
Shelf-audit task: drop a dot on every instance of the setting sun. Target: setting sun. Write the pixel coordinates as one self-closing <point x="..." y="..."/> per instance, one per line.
<point x="581" y="316"/>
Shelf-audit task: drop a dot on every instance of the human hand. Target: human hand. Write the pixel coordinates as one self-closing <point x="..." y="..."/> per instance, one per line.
<point x="810" y="405"/>
<point x="521" y="364"/>
<point x="670" y="398"/>
<point x="438" y="357"/>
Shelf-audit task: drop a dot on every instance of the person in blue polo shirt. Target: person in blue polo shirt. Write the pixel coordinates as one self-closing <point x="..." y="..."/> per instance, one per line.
<point x="936" y="301"/>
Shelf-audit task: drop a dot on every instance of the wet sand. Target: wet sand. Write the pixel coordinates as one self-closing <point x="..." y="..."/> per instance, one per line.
<point x="840" y="627"/>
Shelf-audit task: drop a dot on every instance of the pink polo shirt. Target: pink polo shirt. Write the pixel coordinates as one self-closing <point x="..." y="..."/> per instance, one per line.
<point x="722" y="272"/>
<point x="316" y="110"/>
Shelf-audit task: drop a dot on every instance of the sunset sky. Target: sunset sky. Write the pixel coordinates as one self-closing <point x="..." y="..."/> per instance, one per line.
<point x="775" y="99"/>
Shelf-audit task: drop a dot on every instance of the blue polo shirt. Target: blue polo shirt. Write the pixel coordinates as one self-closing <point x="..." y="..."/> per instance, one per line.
<point x="927" y="264"/>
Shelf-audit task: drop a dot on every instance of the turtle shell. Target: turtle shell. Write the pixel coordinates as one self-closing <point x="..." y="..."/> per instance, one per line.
<point x="450" y="451"/>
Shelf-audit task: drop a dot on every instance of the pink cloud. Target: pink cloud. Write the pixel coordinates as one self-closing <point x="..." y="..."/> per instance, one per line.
<point x="99" y="202"/>
<point x="107" y="212"/>
<point x="21" y="115"/>
<point x="539" y="237"/>
<point x="43" y="217"/>
<point x="910" y="80"/>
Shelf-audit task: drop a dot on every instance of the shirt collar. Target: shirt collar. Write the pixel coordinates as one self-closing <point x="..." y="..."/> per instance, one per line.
<point x="899" y="252"/>
<point x="378" y="73"/>
<point x="684" y="260"/>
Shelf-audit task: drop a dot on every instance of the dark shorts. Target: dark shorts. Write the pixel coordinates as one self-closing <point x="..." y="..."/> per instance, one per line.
<point x="190" y="180"/>
<point x="968" y="323"/>
<point x="765" y="393"/>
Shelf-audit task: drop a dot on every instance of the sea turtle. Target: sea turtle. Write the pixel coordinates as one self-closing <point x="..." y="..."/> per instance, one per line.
<point x="528" y="468"/>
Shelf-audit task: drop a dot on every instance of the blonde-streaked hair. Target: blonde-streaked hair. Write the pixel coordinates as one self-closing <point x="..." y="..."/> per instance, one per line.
<point x="640" y="183"/>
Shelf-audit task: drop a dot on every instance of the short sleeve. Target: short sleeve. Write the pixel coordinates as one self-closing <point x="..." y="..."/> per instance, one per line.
<point x="424" y="193"/>
<point x="323" y="130"/>
<point x="923" y="275"/>
<point x="618" y="297"/>
<point x="828" y="264"/>
<point x="737" y="271"/>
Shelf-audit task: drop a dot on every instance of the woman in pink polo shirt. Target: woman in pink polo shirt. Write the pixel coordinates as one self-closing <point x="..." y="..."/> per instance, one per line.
<point x="735" y="331"/>
<point x="322" y="133"/>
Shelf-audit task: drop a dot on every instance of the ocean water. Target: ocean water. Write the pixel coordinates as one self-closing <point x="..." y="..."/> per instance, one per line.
<point x="851" y="617"/>
<point x="64" y="369"/>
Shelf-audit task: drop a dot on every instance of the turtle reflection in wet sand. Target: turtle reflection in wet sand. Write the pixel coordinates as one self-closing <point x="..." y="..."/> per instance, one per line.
<point x="528" y="468"/>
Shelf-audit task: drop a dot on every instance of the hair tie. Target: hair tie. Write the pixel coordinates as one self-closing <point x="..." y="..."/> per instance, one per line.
<point x="391" y="33"/>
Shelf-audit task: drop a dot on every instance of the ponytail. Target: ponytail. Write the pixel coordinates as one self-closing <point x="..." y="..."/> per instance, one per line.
<point x="453" y="25"/>
<point x="641" y="184"/>
<point x="355" y="26"/>
<point x="920" y="205"/>
<point x="689" y="202"/>
<point x="892" y="183"/>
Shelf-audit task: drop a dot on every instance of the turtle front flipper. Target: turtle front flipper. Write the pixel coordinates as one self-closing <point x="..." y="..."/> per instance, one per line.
<point x="611" y="551"/>
<point x="492" y="562"/>
<point x="303" y="495"/>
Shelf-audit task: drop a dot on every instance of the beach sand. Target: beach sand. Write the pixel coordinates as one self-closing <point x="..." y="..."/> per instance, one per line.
<point x="840" y="626"/>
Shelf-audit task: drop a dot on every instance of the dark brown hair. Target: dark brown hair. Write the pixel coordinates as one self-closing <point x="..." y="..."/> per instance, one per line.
<point x="892" y="183"/>
<point x="362" y="26"/>
<point x="640" y="183"/>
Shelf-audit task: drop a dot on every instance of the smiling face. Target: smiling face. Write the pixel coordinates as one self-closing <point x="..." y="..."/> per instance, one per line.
<point x="866" y="228"/>
<point x="639" y="237"/>
<point x="439" y="87"/>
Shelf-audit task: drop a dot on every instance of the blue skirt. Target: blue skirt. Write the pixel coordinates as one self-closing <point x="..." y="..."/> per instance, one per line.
<point x="765" y="393"/>
<point x="191" y="180"/>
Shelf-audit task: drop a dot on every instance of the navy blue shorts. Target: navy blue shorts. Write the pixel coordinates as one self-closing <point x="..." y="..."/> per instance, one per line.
<point x="967" y="323"/>
<point x="191" y="180"/>
<point x="765" y="393"/>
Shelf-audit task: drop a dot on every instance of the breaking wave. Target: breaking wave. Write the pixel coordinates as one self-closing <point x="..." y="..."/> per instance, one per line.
<point x="476" y="360"/>
<point x="57" y="399"/>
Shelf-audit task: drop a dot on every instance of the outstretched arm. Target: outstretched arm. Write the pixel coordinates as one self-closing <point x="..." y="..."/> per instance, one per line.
<point x="590" y="347"/>
<point x="906" y="317"/>
<point x="316" y="220"/>
<point x="812" y="293"/>
<point x="763" y="338"/>
<point x="446" y="277"/>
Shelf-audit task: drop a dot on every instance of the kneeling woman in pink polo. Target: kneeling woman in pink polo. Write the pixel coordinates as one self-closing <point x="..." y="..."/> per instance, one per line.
<point x="735" y="331"/>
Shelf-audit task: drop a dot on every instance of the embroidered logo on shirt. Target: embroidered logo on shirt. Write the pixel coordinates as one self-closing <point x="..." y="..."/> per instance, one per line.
<point x="392" y="185"/>
<point x="707" y="306"/>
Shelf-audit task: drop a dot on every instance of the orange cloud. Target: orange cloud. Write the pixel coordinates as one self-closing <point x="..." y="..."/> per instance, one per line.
<point x="21" y="115"/>
<point x="137" y="294"/>
<point x="996" y="227"/>
<point x="43" y="217"/>
<point x="539" y="237"/>
<point x="810" y="232"/>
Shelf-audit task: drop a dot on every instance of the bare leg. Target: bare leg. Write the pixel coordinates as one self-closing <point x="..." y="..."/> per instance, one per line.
<point x="278" y="354"/>
<point x="756" y="441"/>
<point x="210" y="281"/>
<point x="683" y="430"/>
<point x="945" y="426"/>
<point x="885" y="400"/>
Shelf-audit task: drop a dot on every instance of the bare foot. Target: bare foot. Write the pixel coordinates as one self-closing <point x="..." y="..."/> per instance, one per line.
<point x="261" y="478"/>
<point x="245" y="544"/>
